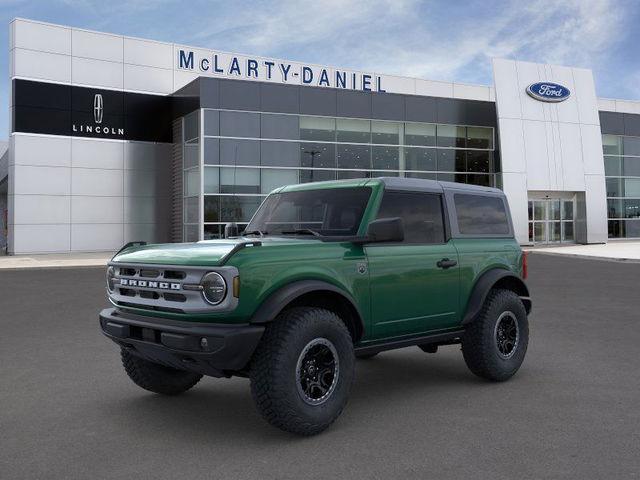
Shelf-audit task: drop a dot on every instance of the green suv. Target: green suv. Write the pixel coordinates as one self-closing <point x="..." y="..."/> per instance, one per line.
<point x="323" y="274"/>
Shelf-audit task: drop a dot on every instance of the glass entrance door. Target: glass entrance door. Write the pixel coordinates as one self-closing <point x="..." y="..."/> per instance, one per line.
<point x="551" y="221"/>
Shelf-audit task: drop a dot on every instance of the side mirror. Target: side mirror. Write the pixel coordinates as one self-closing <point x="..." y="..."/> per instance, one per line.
<point x="386" y="230"/>
<point x="231" y="230"/>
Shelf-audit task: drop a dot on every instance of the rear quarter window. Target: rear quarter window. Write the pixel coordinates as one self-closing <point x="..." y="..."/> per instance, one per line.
<point x="481" y="215"/>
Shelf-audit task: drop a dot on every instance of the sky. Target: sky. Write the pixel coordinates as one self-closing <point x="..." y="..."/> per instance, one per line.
<point x="450" y="40"/>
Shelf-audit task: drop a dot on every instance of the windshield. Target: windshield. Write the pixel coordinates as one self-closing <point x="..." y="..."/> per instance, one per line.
<point x="326" y="212"/>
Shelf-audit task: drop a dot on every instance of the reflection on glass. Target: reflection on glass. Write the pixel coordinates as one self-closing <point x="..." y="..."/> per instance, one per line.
<point x="307" y="176"/>
<point x="239" y="180"/>
<point x="386" y="158"/>
<point x="451" y="160"/>
<point x="212" y="232"/>
<point x="567" y="210"/>
<point x="539" y="210"/>
<point x="613" y="166"/>
<point x="274" y="178"/>
<point x="632" y="208"/>
<point x="451" y="136"/>
<point x="346" y="174"/>
<point x="318" y="155"/>
<point x="420" y="158"/>
<point x="191" y="210"/>
<point x="632" y="166"/>
<point x="192" y="182"/>
<point x="354" y="156"/>
<point x="612" y="145"/>
<point x="318" y="129"/>
<point x="211" y="180"/>
<point x="479" y="137"/>
<point x="478" y="161"/>
<point x="554" y="209"/>
<point x="386" y="133"/>
<point x="192" y="126"/>
<point x="422" y="134"/>
<point x="539" y="232"/>
<point x="567" y="232"/>
<point x="191" y="233"/>
<point x="211" y="208"/>
<point x="614" y="187"/>
<point x="554" y="231"/>
<point x="614" y="208"/>
<point x="237" y="208"/>
<point x="427" y="176"/>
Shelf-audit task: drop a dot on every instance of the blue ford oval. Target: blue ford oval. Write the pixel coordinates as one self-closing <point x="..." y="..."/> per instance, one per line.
<point x="548" y="92"/>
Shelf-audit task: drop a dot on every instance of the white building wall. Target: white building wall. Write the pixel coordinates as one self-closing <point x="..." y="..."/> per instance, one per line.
<point x="550" y="147"/>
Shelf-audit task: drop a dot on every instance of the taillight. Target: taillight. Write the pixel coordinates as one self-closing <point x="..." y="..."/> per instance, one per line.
<point x="525" y="266"/>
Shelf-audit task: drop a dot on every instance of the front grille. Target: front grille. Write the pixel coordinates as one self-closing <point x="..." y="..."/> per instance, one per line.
<point x="166" y="289"/>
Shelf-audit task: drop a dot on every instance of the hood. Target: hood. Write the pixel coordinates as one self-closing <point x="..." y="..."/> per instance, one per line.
<point x="204" y="253"/>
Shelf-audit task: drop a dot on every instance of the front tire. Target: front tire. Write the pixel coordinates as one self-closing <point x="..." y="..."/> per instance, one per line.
<point x="302" y="370"/>
<point x="157" y="378"/>
<point x="495" y="344"/>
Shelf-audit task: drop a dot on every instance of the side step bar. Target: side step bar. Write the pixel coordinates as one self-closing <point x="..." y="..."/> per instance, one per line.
<point x="442" y="338"/>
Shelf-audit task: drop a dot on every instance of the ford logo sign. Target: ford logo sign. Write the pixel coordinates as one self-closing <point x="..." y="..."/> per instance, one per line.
<point x="548" y="92"/>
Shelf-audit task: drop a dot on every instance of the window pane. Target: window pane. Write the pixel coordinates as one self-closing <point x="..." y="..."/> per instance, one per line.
<point x="451" y="136"/>
<point x="613" y="166"/>
<point x="212" y="232"/>
<point x="616" y="228"/>
<point x="238" y="208"/>
<point x="211" y="122"/>
<point x="345" y="174"/>
<point x="539" y="232"/>
<point x="191" y="210"/>
<point x="567" y="231"/>
<point x="211" y="180"/>
<point x="631" y="145"/>
<point x="318" y="129"/>
<point x="567" y="210"/>
<point x="632" y="229"/>
<point x="554" y="210"/>
<point x="614" y="208"/>
<point x="192" y="182"/>
<point x="479" y="179"/>
<point x="479" y="137"/>
<point x="279" y="126"/>
<point x="240" y="124"/>
<point x="211" y="208"/>
<point x="612" y="145"/>
<point x="554" y="231"/>
<point x="354" y="131"/>
<point x="191" y="155"/>
<point x="420" y="158"/>
<point x="387" y="133"/>
<point x="481" y="215"/>
<point x="451" y="160"/>
<point x="239" y="180"/>
<point x="192" y="126"/>
<point x="384" y="173"/>
<point x="307" y="176"/>
<point x="426" y="176"/>
<point x="354" y="156"/>
<point x="421" y="215"/>
<point x="211" y="151"/>
<point x="420" y="134"/>
<point x="318" y="155"/>
<point x="191" y="233"/>
<point x="631" y="166"/>
<point x="539" y="210"/>
<point x="280" y="154"/>
<point x="239" y="152"/>
<point x="614" y="187"/>
<point x="272" y="178"/>
<point x="632" y="187"/>
<point x="478" y="161"/>
<point x="386" y="158"/>
<point x="632" y="208"/>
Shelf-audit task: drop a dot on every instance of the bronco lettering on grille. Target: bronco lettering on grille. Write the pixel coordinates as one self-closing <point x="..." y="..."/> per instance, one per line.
<point x="129" y="282"/>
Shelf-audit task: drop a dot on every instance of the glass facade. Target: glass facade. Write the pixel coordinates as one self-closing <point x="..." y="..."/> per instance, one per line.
<point x="622" y="171"/>
<point x="246" y="155"/>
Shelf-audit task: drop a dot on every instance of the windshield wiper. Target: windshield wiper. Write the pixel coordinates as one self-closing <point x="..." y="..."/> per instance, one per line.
<point x="301" y="231"/>
<point x="254" y="232"/>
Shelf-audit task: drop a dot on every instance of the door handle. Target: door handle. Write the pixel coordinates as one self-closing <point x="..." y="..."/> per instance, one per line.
<point x="446" y="263"/>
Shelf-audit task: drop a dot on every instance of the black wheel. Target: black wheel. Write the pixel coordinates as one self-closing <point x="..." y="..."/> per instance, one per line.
<point x="495" y="344"/>
<point x="157" y="378"/>
<point x="302" y="370"/>
<point x="366" y="356"/>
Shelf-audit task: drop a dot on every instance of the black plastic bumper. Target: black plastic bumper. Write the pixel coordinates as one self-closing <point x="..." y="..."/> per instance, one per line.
<point x="210" y="349"/>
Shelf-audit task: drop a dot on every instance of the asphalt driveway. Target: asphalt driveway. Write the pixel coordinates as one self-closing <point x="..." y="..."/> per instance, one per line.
<point x="67" y="409"/>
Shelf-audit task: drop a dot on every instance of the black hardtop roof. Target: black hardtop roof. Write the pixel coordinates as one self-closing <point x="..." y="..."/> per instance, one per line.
<point x="424" y="185"/>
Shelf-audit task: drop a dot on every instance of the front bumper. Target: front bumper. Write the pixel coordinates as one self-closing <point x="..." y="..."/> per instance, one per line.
<point x="209" y="349"/>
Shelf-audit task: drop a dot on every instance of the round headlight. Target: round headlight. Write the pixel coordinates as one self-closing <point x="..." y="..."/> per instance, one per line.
<point x="214" y="288"/>
<point x="111" y="274"/>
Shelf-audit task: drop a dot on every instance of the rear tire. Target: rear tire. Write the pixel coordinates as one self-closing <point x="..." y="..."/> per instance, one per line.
<point x="495" y="344"/>
<point x="157" y="378"/>
<point x="302" y="370"/>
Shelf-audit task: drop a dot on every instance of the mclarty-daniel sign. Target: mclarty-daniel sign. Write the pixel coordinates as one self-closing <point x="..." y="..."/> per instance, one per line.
<point x="278" y="71"/>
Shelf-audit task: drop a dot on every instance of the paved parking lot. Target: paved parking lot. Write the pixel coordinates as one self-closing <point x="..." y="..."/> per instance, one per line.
<point x="67" y="410"/>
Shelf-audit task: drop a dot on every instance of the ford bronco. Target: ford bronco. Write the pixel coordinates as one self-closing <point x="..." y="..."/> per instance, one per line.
<point x="323" y="274"/>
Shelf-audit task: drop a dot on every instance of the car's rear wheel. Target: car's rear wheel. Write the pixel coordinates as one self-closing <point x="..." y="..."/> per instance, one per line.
<point x="495" y="344"/>
<point x="157" y="378"/>
<point x="302" y="370"/>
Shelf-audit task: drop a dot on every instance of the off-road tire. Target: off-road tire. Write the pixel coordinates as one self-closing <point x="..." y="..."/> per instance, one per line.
<point x="479" y="345"/>
<point x="275" y="376"/>
<point x="366" y="356"/>
<point x="157" y="378"/>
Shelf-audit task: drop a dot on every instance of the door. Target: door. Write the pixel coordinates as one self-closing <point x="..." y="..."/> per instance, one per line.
<point x="414" y="284"/>
<point x="551" y="221"/>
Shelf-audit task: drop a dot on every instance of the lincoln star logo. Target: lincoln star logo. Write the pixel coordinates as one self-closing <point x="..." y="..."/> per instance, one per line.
<point x="127" y="282"/>
<point x="98" y="108"/>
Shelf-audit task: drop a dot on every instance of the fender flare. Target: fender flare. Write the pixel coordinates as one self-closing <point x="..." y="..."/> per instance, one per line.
<point x="276" y="301"/>
<point x="486" y="282"/>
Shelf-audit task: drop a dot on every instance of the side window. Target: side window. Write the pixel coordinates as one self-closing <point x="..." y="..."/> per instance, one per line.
<point x="481" y="215"/>
<point x="421" y="214"/>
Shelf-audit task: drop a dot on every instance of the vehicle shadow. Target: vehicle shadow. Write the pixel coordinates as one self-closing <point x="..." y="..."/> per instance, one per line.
<point x="221" y="410"/>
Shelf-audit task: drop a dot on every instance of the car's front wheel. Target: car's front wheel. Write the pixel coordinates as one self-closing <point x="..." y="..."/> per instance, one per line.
<point x="495" y="343"/>
<point x="302" y="370"/>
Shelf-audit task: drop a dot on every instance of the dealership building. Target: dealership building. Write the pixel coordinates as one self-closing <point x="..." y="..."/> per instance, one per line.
<point x="116" y="139"/>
